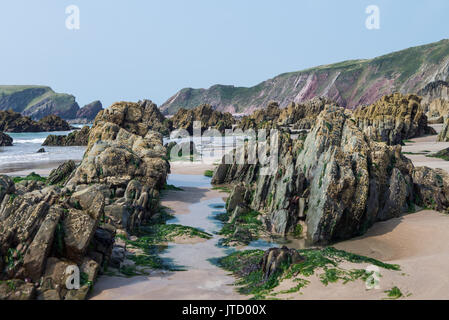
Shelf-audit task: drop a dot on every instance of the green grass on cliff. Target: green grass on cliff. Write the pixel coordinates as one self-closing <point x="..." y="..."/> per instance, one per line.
<point x="323" y="262"/>
<point x="22" y="98"/>
<point x="354" y="78"/>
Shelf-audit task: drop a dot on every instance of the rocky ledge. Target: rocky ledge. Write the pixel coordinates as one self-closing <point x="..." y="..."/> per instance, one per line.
<point x="75" y="138"/>
<point x="333" y="185"/>
<point x="11" y="121"/>
<point x="71" y="219"/>
<point x="5" y="140"/>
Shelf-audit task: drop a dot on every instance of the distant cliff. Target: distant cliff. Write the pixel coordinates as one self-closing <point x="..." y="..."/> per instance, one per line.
<point x="38" y="102"/>
<point x="350" y="83"/>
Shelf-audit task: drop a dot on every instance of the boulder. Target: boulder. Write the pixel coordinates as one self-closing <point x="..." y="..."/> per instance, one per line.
<point x="275" y="259"/>
<point x="5" y="140"/>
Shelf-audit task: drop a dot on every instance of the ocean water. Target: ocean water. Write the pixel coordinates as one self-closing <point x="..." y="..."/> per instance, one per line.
<point x="23" y="154"/>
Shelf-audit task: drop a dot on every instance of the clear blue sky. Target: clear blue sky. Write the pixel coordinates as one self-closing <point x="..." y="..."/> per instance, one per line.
<point x="135" y="49"/>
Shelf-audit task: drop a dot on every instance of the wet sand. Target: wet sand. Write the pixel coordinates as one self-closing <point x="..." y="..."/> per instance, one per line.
<point x="24" y="169"/>
<point x="417" y="242"/>
<point x="203" y="279"/>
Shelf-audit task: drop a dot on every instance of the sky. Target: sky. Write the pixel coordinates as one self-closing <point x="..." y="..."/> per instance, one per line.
<point x="147" y="49"/>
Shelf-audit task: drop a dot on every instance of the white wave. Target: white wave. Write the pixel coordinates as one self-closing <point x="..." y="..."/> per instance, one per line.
<point x="40" y="141"/>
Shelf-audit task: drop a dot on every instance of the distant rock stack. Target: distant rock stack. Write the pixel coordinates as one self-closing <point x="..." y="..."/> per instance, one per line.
<point x="89" y="111"/>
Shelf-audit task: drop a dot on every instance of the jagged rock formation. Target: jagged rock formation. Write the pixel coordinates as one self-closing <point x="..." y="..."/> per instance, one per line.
<point x="44" y="229"/>
<point x="262" y="119"/>
<point x="297" y="116"/>
<point x="75" y="138"/>
<point x="393" y="118"/>
<point x="37" y="102"/>
<point x="125" y="159"/>
<point x="303" y="115"/>
<point x="349" y="83"/>
<point x="89" y="111"/>
<point x="138" y="120"/>
<point x="11" y="121"/>
<point x="204" y="113"/>
<point x="5" y="140"/>
<point x="337" y="182"/>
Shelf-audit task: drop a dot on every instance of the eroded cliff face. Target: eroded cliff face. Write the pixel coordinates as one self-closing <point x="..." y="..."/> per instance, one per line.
<point x="393" y="118"/>
<point x="350" y="83"/>
<point x="37" y="102"/>
<point x="46" y="228"/>
<point x="336" y="183"/>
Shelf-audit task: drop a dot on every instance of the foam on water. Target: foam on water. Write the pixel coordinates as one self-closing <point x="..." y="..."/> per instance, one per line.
<point x="23" y="154"/>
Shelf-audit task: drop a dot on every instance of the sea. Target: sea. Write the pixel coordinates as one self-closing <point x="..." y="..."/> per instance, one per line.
<point x="23" y="154"/>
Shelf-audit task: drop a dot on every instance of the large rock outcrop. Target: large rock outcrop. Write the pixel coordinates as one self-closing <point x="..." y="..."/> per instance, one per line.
<point x="11" y="121"/>
<point x="5" y="140"/>
<point x="125" y="159"/>
<point x="393" y="118"/>
<point x="47" y="229"/>
<point x="337" y="182"/>
<point x="209" y="118"/>
<point x="75" y="138"/>
<point x="136" y="120"/>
